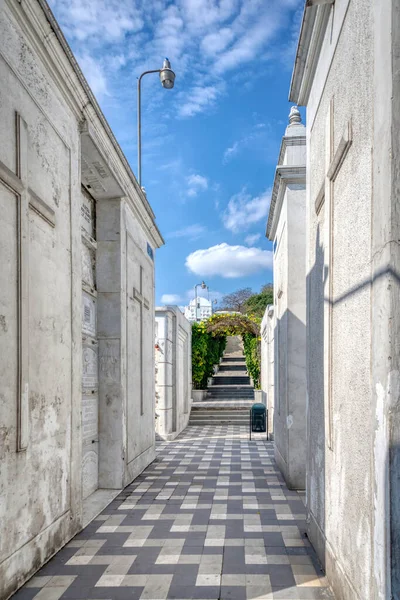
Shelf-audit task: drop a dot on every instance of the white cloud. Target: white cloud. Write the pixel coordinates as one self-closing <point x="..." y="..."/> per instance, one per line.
<point x="196" y="183"/>
<point x="191" y="231"/>
<point x="231" y="151"/>
<point x="243" y="210"/>
<point x="171" y="299"/>
<point x="204" y="39"/>
<point x="257" y="133"/>
<point x="94" y="75"/>
<point x="216" y="42"/>
<point x="204" y="14"/>
<point x="252" y="239"/>
<point x="105" y="20"/>
<point x="198" y="99"/>
<point x="228" y="261"/>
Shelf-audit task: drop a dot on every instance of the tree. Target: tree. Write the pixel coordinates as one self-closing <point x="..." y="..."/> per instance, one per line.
<point x="257" y="303"/>
<point x="237" y="300"/>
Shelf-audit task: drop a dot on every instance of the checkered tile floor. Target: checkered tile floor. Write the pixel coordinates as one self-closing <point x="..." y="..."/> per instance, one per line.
<point x="210" y="518"/>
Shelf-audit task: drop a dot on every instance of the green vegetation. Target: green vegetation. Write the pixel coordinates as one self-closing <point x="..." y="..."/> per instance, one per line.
<point x="251" y="345"/>
<point x="209" y="337"/>
<point x="257" y="303"/>
<point x="247" y="326"/>
<point x="247" y="303"/>
<point x="207" y="350"/>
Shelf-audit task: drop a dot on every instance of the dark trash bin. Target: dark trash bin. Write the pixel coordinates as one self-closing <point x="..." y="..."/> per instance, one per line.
<point x="258" y="419"/>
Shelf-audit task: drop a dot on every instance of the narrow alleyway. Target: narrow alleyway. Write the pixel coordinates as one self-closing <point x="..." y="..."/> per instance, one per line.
<point x="210" y="518"/>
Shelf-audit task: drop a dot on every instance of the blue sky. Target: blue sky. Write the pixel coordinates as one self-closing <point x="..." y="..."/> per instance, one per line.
<point x="210" y="145"/>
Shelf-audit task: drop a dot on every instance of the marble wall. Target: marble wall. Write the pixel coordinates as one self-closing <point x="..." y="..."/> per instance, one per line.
<point x="173" y="355"/>
<point x="74" y="352"/>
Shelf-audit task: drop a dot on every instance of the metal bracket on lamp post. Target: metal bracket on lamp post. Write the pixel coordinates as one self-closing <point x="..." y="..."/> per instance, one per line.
<point x="167" y="77"/>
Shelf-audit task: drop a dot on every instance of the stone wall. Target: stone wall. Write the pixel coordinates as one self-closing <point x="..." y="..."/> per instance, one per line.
<point x="339" y="331"/>
<point x="352" y="294"/>
<point x="267" y="364"/>
<point x="173" y="355"/>
<point x="69" y="422"/>
<point x="286" y="228"/>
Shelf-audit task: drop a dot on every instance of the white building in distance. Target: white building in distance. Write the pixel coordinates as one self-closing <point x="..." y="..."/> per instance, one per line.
<point x="204" y="309"/>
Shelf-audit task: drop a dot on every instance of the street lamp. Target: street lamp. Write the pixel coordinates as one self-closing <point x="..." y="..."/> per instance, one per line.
<point x="167" y="78"/>
<point x="203" y="287"/>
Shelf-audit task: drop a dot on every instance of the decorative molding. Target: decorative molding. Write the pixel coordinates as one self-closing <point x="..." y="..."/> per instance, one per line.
<point x="44" y="34"/>
<point x="88" y="240"/>
<point x="320" y="199"/>
<point x="318" y="2"/>
<point x="287" y="142"/>
<point x="284" y="176"/>
<point x="344" y="146"/>
<point x="41" y="208"/>
<point x="312" y="33"/>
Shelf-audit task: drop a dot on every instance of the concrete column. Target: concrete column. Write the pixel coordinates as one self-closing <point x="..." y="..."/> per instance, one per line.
<point x="112" y="440"/>
<point x="173" y="371"/>
<point x="287" y="229"/>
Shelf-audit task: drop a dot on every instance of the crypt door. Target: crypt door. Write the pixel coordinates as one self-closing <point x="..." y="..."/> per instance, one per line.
<point x="90" y="387"/>
<point x="140" y="350"/>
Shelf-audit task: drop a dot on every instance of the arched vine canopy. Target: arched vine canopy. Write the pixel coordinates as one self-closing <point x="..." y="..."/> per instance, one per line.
<point x="233" y="324"/>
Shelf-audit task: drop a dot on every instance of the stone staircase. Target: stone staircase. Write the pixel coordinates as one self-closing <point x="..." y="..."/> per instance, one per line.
<point x="230" y="396"/>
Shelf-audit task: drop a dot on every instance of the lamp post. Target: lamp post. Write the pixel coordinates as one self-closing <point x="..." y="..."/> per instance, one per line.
<point x="213" y="302"/>
<point x="203" y="287"/>
<point x="167" y="78"/>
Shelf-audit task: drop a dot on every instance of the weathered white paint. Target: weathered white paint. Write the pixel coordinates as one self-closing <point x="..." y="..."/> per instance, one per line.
<point x="50" y="125"/>
<point x="286" y="227"/>
<point x="267" y="329"/>
<point x="381" y="491"/>
<point x="173" y="352"/>
<point x="353" y="288"/>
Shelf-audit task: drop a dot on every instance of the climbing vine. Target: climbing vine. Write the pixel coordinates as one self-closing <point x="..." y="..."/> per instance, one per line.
<point x="207" y="350"/>
<point x="248" y="326"/>
<point x="251" y="345"/>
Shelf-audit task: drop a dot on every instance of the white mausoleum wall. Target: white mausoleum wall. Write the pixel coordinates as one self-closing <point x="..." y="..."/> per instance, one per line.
<point x="267" y="363"/>
<point x="340" y="478"/>
<point x="40" y="315"/>
<point x="62" y="299"/>
<point x="286" y="227"/>
<point x="173" y="356"/>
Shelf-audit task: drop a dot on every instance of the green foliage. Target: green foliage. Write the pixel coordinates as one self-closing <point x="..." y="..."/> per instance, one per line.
<point x="209" y="341"/>
<point x="237" y="324"/>
<point x="207" y="349"/>
<point x="251" y="344"/>
<point x="257" y="303"/>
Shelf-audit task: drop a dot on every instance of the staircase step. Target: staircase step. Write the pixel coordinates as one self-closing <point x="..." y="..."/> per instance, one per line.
<point x="231" y="381"/>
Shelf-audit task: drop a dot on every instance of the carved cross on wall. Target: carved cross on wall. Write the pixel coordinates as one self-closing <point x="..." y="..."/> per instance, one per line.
<point x="334" y="159"/>
<point x="17" y="183"/>
<point x="143" y="303"/>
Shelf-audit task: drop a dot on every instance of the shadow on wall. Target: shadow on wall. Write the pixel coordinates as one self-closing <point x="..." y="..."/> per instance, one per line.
<point x="316" y="405"/>
<point x="386" y="458"/>
<point x="290" y="399"/>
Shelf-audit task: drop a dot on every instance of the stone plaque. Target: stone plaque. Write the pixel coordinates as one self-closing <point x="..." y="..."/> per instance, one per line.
<point x="90" y="470"/>
<point x="90" y="417"/>
<point x="89" y="314"/>
<point x="89" y="367"/>
<point x="88" y="266"/>
<point x="88" y="212"/>
<point x="109" y="363"/>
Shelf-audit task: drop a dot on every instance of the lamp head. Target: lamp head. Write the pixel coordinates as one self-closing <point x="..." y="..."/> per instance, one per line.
<point x="167" y="76"/>
<point x="203" y="285"/>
